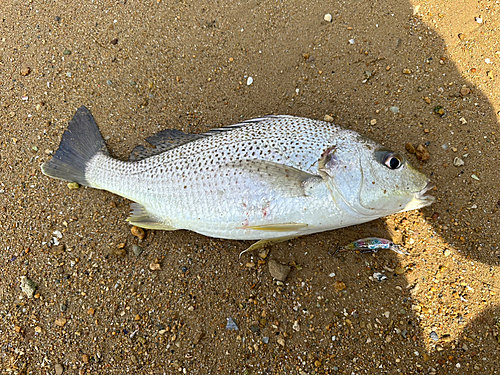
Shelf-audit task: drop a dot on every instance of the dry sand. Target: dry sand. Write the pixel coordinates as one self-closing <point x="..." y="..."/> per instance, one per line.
<point x="142" y="66"/>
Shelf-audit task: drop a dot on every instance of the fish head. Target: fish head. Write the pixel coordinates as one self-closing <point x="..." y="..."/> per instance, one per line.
<point x="369" y="180"/>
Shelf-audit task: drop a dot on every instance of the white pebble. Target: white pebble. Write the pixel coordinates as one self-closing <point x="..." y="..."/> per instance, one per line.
<point x="332" y="274"/>
<point x="249" y="81"/>
<point x="478" y="19"/>
<point x="487" y="61"/>
<point x="351" y="41"/>
<point x="328" y="17"/>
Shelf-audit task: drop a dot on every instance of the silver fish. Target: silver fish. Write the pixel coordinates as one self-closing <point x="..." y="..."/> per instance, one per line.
<point x="268" y="179"/>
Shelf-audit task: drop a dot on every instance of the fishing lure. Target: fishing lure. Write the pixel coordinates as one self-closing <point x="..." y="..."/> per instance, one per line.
<point x="374" y="244"/>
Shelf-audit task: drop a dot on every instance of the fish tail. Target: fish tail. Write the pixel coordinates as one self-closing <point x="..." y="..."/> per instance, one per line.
<point x="80" y="143"/>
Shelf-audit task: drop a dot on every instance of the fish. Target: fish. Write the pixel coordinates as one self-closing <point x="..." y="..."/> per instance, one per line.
<point x="268" y="179"/>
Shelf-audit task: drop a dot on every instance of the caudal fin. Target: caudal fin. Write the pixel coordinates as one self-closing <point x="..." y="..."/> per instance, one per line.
<point x="80" y="143"/>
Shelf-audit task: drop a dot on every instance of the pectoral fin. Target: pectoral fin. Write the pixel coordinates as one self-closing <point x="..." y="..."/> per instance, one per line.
<point x="141" y="218"/>
<point x="288" y="181"/>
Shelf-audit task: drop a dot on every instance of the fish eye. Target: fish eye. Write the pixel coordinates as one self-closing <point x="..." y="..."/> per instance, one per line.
<point x="393" y="161"/>
<point x="389" y="158"/>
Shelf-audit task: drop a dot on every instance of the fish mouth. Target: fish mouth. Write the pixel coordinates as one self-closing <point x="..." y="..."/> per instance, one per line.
<point x="420" y="199"/>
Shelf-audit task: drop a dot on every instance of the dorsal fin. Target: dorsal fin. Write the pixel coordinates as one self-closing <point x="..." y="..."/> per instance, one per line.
<point x="170" y="138"/>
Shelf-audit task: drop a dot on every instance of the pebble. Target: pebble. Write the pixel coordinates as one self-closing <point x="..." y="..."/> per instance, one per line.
<point x="25" y="71"/>
<point x="379" y="276"/>
<point x="109" y="82"/>
<point x="422" y="153"/>
<point x="138" y="232"/>
<point x="249" y="81"/>
<point x="263" y="253"/>
<point x="231" y="325"/>
<point x="265" y="340"/>
<point x="409" y="147"/>
<point x="339" y="286"/>
<point x="296" y="326"/>
<point x="399" y="270"/>
<point x="67" y="52"/>
<point x="59" y="369"/>
<point x="61" y="322"/>
<point x="278" y="271"/>
<point x="155" y="266"/>
<point x="447" y="252"/>
<point x="394" y="109"/>
<point x="281" y="341"/>
<point x="351" y="41"/>
<point x="328" y="118"/>
<point x="137" y="250"/>
<point x="85" y="358"/>
<point x="439" y="110"/>
<point x="474" y="177"/>
<point x="407" y="71"/>
<point x="464" y="91"/>
<point x="328" y="17"/>
<point x="458" y="162"/>
<point x="478" y="19"/>
<point x="28" y="286"/>
<point x="73" y="185"/>
<point x="373" y="122"/>
<point x="434" y="336"/>
<point x="114" y="41"/>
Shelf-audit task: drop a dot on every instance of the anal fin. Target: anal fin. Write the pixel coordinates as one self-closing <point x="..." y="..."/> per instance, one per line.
<point x="141" y="218"/>
<point x="264" y="243"/>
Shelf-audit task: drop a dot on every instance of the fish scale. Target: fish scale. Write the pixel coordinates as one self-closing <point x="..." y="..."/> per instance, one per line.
<point x="270" y="178"/>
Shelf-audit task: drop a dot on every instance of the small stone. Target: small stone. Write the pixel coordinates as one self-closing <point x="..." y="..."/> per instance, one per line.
<point x="38" y="329"/>
<point x="85" y="358"/>
<point x="464" y="91"/>
<point x="73" y="185"/>
<point x="263" y="253"/>
<point x="249" y="81"/>
<point x="379" y="276"/>
<point x="434" y="336"/>
<point x="399" y="270"/>
<point x="407" y="71"/>
<point x="137" y="317"/>
<point x="394" y="109"/>
<point x="278" y="271"/>
<point x="25" y="71"/>
<point x="351" y="41"/>
<point x="409" y="147"/>
<point x="281" y="341"/>
<point x="138" y="232"/>
<point x="489" y="74"/>
<point x="109" y="82"/>
<point x="463" y="120"/>
<point x="474" y="177"/>
<point x="461" y="36"/>
<point x="373" y="122"/>
<point x="328" y="118"/>
<point x="447" y="252"/>
<point x="137" y="250"/>
<point x="328" y="17"/>
<point x="231" y="325"/>
<point x="439" y="110"/>
<point x="114" y="42"/>
<point x="59" y="369"/>
<point x="427" y="100"/>
<point x="339" y="286"/>
<point x="155" y="266"/>
<point x="296" y="326"/>
<point x="458" y="162"/>
<point x="422" y="153"/>
<point x="91" y="311"/>
<point x="61" y="322"/>
<point x="67" y="52"/>
<point x="28" y="286"/>
<point x="478" y="19"/>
